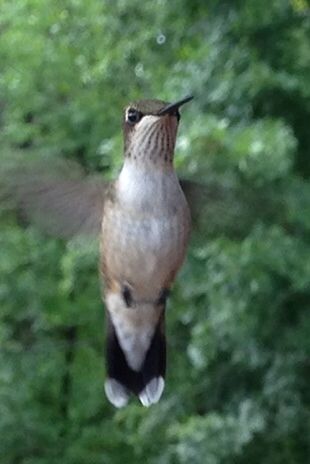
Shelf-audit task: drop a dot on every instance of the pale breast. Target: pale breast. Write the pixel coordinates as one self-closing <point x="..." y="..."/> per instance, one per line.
<point x="145" y="232"/>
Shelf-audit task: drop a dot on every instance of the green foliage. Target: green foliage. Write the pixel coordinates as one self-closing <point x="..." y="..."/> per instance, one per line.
<point x="238" y="320"/>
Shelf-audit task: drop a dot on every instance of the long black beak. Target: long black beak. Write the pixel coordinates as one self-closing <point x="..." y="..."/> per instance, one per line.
<point x="174" y="106"/>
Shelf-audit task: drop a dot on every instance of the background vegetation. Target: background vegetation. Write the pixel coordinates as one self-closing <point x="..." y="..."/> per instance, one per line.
<point x="238" y="321"/>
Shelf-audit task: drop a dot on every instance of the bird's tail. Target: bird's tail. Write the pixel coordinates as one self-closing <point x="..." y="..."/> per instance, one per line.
<point x="146" y="381"/>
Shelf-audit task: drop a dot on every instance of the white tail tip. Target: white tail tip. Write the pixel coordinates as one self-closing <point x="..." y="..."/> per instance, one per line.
<point x="152" y="392"/>
<point x="116" y="393"/>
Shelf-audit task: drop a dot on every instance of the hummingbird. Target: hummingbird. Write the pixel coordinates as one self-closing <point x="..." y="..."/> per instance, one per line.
<point x="143" y="223"/>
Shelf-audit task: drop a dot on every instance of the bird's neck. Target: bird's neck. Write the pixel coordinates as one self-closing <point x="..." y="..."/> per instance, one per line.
<point x="144" y="156"/>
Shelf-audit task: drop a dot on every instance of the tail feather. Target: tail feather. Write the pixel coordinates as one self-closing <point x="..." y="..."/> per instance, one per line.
<point x="148" y="382"/>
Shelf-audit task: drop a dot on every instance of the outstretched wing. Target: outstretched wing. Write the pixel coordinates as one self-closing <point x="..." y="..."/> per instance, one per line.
<point x="58" y="196"/>
<point x="63" y="201"/>
<point x="232" y="208"/>
<point x="213" y="206"/>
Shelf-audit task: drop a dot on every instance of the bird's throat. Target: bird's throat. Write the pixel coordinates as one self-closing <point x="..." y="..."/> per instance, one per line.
<point x="143" y="182"/>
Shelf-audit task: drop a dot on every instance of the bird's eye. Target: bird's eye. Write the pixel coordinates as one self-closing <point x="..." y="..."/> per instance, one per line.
<point x="133" y="116"/>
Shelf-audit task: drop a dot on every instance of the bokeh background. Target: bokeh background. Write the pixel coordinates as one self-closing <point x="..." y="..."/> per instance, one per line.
<point x="238" y="320"/>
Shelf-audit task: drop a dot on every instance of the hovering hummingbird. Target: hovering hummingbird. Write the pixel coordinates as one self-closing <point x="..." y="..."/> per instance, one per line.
<point x="143" y="221"/>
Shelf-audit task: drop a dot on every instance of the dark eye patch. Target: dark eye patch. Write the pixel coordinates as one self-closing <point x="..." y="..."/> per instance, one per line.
<point x="133" y="116"/>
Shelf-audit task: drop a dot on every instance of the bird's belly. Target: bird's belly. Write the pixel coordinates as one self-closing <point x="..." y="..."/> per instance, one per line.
<point x="145" y="252"/>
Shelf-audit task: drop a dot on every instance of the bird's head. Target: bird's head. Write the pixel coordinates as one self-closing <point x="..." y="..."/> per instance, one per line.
<point x="150" y="128"/>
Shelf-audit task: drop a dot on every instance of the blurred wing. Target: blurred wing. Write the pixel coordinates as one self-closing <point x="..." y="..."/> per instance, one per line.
<point x="58" y="197"/>
<point x="222" y="206"/>
<point x="210" y="203"/>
